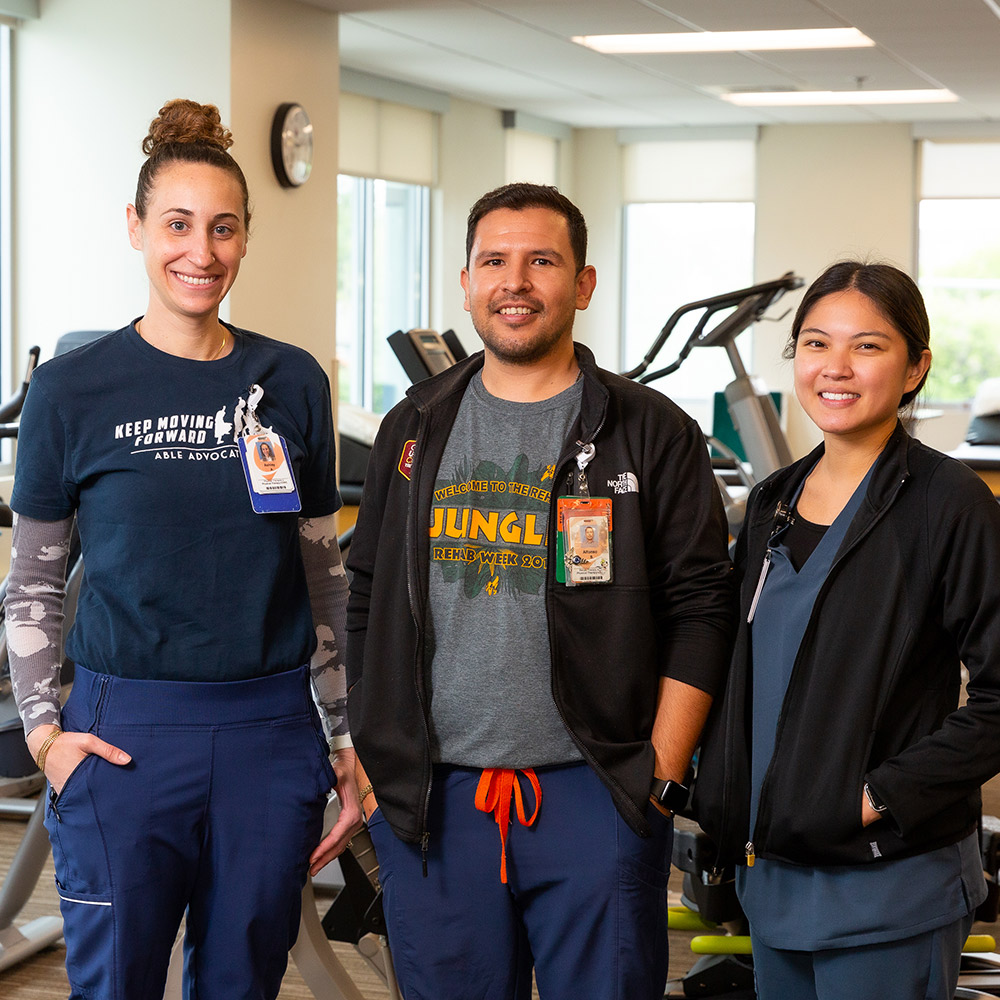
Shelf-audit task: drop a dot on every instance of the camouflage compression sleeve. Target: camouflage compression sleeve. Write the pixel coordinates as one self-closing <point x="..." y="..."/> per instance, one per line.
<point x="36" y="591"/>
<point x="327" y="583"/>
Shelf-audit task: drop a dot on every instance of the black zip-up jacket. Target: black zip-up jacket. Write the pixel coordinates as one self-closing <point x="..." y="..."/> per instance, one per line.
<point x="667" y="612"/>
<point x="874" y="692"/>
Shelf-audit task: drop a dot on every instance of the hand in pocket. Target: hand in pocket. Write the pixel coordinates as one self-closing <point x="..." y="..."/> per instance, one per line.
<point x="67" y="753"/>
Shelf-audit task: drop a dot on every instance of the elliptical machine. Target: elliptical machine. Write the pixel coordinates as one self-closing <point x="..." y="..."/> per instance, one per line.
<point x="750" y="406"/>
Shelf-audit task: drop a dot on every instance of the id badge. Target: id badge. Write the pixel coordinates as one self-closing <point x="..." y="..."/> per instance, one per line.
<point x="584" y="541"/>
<point x="269" y="474"/>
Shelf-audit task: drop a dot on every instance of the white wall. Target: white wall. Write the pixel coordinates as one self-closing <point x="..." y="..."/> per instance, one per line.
<point x="471" y="161"/>
<point x="825" y="192"/>
<point x="87" y="80"/>
<point x="597" y="190"/>
<point x="288" y="282"/>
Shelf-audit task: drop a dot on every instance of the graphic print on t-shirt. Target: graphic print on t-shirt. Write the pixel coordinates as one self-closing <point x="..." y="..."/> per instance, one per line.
<point x="188" y="436"/>
<point x="489" y="527"/>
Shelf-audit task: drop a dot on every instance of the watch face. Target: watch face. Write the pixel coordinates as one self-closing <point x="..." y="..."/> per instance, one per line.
<point x="671" y="794"/>
<point x="292" y="145"/>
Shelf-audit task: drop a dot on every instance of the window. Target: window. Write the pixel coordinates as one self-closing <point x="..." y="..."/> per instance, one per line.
<point x="675" y="254"/>
<point x="959" y="264"/>
<point x="382" y="283"/>
<point x="960" y="280"/>
<point x="688" y="234"/>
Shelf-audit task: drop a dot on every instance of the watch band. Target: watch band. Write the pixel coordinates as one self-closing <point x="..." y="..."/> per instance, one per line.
<point x="670" y="794"/>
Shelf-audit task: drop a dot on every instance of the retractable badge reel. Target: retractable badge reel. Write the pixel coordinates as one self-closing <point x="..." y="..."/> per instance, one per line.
<point x="583" y="544"/>
<point x="264" y="454"/>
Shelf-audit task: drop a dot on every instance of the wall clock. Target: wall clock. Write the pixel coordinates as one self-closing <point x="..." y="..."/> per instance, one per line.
<point x="291" y="145"/>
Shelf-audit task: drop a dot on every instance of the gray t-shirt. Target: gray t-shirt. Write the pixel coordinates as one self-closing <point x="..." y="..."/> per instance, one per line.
<point x="487" y="636"/>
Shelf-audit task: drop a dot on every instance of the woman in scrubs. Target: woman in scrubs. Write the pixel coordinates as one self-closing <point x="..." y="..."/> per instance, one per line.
<point x="839" y="771"/>
<point x="188" y="772"/>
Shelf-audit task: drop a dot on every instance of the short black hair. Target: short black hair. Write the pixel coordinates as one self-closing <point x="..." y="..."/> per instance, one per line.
<point x="521" y="195"/>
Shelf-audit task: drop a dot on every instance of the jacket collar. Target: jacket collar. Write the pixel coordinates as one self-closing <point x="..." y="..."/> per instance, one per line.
<point x="433" y="391"/>
<point x="892" y="468"/>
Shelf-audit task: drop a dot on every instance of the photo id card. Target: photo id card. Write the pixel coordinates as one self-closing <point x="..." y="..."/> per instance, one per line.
<point x="584" y="540"/>
<point x="269" y="474"/>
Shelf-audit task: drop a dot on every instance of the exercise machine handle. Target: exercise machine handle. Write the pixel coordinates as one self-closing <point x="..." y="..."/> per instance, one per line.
<point x="10" y="409"/>
<point x="761" y="296"/>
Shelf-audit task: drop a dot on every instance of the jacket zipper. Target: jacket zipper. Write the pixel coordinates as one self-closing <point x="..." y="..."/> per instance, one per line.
<point x="750" y="849"/>
<point x="760" y="584"/>
<point x="715" y="875"/>
<point x="418" y="651"/>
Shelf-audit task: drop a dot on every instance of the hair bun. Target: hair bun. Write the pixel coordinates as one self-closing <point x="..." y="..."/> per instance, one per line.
<point x="182" y="121"/>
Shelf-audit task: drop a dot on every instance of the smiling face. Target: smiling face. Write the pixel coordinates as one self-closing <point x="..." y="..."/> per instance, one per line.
<point x="522" y="287"/>
<point x="852" y="368"/>
<point x="192" y="239"/>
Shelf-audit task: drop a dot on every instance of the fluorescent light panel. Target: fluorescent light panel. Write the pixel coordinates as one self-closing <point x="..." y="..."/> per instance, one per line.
<point x="813" y="98"/>
<point x="729" y="41"/>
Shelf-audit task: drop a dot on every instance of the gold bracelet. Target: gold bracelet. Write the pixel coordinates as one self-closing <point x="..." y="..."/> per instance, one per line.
<point x="365" y="792"/>
<point x="43" y="750"/>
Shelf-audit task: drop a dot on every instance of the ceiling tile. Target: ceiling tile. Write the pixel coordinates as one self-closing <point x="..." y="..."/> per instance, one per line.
<point x="516" y="53"/>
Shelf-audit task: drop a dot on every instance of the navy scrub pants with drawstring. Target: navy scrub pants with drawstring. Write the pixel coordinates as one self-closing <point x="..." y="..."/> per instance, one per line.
<point x="585" y="902"/>
<point x="214" y="818"/>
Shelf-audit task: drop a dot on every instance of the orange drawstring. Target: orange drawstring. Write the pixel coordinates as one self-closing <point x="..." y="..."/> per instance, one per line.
<point x="496" y="784"/>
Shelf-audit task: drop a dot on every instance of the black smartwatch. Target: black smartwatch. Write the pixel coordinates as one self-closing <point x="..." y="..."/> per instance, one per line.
<point x="873" y="800"/>
<point x="671" y="795"/>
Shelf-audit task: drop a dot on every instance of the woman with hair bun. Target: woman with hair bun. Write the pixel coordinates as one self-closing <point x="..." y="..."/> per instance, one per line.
<point x="839" y="772"/>
<point x="188" y="771"/>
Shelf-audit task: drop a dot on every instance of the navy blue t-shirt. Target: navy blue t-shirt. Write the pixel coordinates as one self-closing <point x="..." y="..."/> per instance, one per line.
<point x="183" y="580"/>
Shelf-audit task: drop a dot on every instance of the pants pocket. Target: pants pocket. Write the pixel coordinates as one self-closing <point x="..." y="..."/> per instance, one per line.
<point x="646" y="859"/>
<point x="643" y="870"/>
<point x="78" y="850"/>
<point x="89" y="931"/>
<point x="299" y="778"/>
<point x="83" y="883"/>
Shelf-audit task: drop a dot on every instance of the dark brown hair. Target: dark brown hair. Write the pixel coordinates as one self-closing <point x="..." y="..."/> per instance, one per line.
<point x="188" y="132"/>
<point x="891" y="291"/>
<point x="521" y="195"/>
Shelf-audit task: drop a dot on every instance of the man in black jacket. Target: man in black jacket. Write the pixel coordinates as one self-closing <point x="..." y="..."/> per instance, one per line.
<point x="491" y="659"/>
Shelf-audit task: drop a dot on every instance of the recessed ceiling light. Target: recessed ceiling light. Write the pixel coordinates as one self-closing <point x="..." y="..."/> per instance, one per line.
<point x="729" y="41"/>
<point x="812" y="98"/>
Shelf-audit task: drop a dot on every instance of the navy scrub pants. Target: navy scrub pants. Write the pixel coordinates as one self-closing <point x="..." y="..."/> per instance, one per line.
<point x="215" y="815"/>
<point x="585" y="901"/>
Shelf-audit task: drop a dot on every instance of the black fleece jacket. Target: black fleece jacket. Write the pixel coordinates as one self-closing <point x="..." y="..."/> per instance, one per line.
<point x="667" y="612"/>
<point x="914" y="592"/>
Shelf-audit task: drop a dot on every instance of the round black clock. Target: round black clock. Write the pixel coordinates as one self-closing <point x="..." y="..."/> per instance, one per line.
<point x="291" y="145"/>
